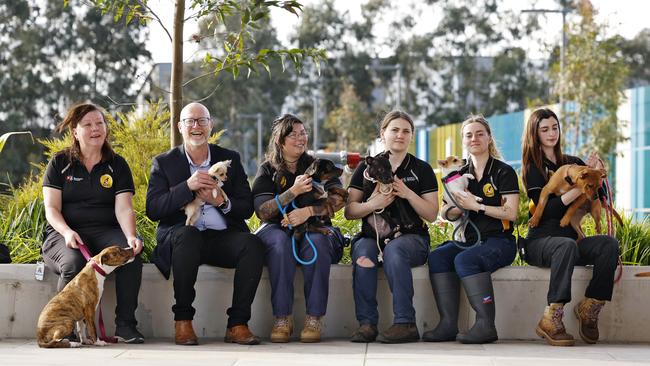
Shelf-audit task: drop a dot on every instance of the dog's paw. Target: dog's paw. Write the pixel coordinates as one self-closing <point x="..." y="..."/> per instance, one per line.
<point x="100" y="343"/>
<point x="565" y="222"/>
<point x="75" y="344"/>
<point x="87" y="342"/>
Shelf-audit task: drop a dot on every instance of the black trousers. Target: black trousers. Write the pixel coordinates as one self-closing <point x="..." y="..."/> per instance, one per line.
<point x="68" y="262"/>
<point x="222" y="248"/>
<point x="562" y="254"/>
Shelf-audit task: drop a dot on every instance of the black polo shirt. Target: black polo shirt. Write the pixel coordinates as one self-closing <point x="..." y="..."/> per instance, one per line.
<point x="549" y="225"/>
<point x="88" y="199"/>
<point x="418" y="176"/>
<point x="268" y="183"/>
<point x="498" y="179"/>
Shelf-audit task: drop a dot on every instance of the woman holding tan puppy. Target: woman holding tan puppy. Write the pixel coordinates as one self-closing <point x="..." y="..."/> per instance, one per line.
<point x="550" y="245"/>
<point x="491" y="201"/>
<point x="87" y="192"/>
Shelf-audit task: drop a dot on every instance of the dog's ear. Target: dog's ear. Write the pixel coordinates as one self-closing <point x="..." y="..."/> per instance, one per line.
<point x="603" y="173"/>
<point x="442" y="163"/>
<point x="227" y="162"/>
<point x="369" y="160"/>
<point x="312" y="168"/>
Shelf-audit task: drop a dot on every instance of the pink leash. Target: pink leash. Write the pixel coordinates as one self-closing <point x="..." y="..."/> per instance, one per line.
<point x="611" y="230"/>
<point x="86" y="253"/>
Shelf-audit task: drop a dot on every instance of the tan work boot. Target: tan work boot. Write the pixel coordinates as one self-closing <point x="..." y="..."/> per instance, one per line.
<point x="587" y="312"/>
<point x="311" y="330"/>
<point x="282" y="329"/>
<point x="184" y="333"/>
<point x="552" y="328"/>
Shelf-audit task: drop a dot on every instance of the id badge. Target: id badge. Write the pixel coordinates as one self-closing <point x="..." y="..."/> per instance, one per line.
<point x="40" y="270"/>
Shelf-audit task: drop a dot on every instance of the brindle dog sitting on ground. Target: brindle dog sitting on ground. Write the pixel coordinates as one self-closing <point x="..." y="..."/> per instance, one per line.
<point x="77" y="302"/>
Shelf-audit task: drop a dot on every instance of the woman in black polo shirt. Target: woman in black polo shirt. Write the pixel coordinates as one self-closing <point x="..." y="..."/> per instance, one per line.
<point x="87" y="193"/>
<point x="413" y="192"/>
<point x="497" y="185"/>
<point x="279" y="180"/>
<point x="549" y="245"/>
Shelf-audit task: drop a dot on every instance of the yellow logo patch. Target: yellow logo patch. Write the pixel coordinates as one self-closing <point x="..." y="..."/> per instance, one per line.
<point x="106" y="181"/>
<point x="283" y="181"/>
<point x="488" y="190"/>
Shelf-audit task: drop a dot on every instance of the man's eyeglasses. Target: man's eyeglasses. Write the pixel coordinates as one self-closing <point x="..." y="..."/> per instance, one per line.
<point x="294" y="135"/>
<point x="202" y="121"/>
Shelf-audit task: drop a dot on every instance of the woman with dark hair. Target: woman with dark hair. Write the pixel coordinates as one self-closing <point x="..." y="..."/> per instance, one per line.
<point x="495" y="182"/>
<point x="279" y="180"/>
<point x="88" y="197"/>
<point x="412" y="196"/>
<point x="550" y="245"/>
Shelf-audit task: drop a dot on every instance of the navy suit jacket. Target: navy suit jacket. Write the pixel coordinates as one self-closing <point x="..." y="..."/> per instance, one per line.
<point x="168" y="193"/>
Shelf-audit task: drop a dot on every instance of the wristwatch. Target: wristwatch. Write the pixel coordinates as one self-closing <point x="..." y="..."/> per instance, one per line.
<point x="481" y="209"/>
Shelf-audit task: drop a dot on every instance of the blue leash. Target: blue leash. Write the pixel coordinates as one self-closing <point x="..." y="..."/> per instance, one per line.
<point x="283" y="211"/>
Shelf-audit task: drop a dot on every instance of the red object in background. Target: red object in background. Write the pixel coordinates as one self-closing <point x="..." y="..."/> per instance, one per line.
<point x="342" y="157"/>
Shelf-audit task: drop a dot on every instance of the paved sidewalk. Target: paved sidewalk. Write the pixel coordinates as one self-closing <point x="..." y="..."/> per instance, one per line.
<point x="24" y="352"/>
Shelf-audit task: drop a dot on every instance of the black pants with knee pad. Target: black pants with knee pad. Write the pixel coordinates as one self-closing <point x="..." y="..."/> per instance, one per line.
<point x="67" y="262"/>
<point x="561" y="254"/>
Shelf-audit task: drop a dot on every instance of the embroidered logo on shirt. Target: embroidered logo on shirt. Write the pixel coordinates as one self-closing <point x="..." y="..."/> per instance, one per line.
<point x="487" y="300"/>
<point x="70" y="178"/>
<point x="283" y="181"/>
<point x="488" y="190"/>
<point x="106" y="181"/>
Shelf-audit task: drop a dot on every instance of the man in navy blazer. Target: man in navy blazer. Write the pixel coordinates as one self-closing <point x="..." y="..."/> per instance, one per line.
<point x="219" y="237"/>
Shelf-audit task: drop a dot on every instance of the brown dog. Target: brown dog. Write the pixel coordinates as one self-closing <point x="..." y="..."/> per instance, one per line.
<point x="77" y="302"/>
<point x="563" y="180"/>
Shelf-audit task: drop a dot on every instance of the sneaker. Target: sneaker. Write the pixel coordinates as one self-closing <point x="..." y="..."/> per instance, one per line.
<point x="129" y="334"/>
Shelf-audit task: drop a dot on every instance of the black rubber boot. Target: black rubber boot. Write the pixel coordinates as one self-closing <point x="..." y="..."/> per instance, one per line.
<point x="481" y="297"/>
<point x="446" y="291"/>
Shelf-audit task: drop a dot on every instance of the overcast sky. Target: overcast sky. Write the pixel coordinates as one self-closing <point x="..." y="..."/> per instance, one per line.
<point x="625" y="17"/>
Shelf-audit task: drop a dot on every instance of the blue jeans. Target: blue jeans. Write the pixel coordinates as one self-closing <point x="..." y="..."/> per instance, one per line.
<point x="400" y="255"/>
<point x="282" y="267"/>
<point x="493" y="253"/>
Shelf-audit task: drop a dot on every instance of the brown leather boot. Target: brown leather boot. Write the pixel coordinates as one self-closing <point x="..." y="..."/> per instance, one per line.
<point x="185" y="333"/>
<point x="311" y="330"/>
<point x="587" y="312"/>
<point x="552" y="328"/>
<point x="282" y="329"/>
<point x="240" y="334"/>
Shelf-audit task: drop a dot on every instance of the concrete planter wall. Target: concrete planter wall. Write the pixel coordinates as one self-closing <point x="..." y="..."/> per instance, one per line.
<point x="520" y="294"/>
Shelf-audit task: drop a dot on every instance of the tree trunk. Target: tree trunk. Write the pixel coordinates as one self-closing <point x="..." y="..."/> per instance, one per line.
<point x="176" y="98"/>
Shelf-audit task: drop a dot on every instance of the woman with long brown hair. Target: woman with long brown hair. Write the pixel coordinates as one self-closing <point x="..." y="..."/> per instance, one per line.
<point x="550" y="245"/>
<point x="279" y="180"/>
<point x="88" y="197"/>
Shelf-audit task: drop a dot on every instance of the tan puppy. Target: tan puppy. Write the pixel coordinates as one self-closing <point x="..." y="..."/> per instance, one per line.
<point x="563" y="180"/>
<point x="77" y="302"/>
<point x="219" y="172"/>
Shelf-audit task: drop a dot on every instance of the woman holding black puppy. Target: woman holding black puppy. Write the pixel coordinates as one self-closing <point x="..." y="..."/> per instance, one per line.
<point x="414" y="188"/>
<point x="549" y="245"/>
<point x="88" y="193"/>
<point x="496" y="184"/>
<point x="280" y="179"/>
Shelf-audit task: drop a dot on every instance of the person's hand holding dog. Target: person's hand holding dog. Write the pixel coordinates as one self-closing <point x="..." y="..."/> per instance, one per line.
<point x="206" y="195"/>
<point x="201" y="179"/>
<point x="72" y="239"/>
<point x="402" y="190"/>
<point x="301" y="185"/>
<point x="379" y="201"/>
<point x="467" y="201"/>
<point x="297" y="216"/>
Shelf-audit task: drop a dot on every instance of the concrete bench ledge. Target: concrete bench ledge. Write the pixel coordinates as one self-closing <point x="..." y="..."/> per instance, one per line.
<point x="520" y="295"/>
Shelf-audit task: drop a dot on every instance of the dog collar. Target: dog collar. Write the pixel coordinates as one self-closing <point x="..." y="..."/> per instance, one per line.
<point x="451" y="177"/>
<point x="97" y="268"/>
<point x="86" y="253"/>
<point x="569" y="180"/>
